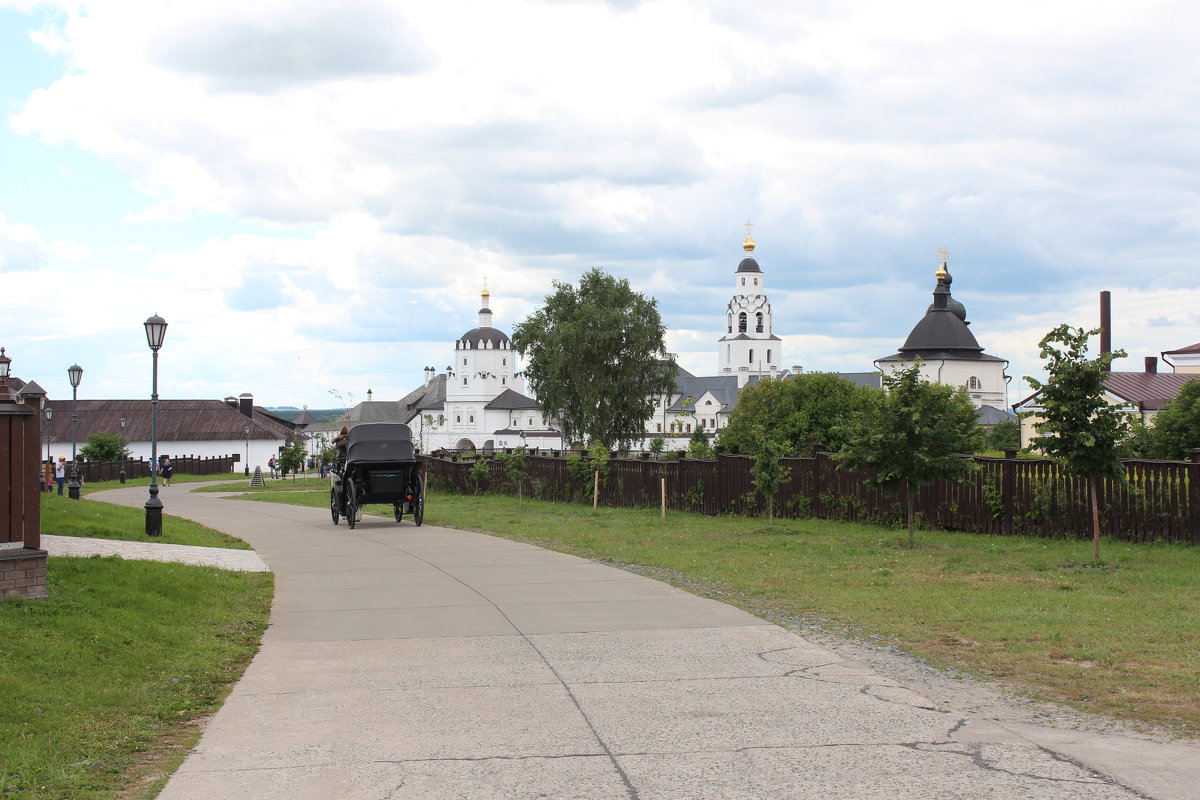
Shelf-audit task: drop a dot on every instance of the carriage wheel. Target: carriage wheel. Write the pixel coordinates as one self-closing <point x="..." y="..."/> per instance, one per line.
<point x="351" y="503"/>
<point x="399" y="509"/>
<point x="419" y="504"/>
<point x="333" y="505"/>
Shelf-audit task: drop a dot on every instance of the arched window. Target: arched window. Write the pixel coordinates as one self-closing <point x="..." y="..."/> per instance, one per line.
<point x="464" y="381"/>
<point x="742" y="322"/>
<point x="974" y="383"/>
<point x="751" y="357"/>
<point x="729" y="322"/>
<point x="768" y="356"/>
<point x="756" y="281"/>
<point x="758" y="322"/>
<point x="743" y="281"/>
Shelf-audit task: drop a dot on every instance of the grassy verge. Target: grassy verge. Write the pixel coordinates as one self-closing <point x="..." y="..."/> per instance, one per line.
<point x="100" y="486"/>
<point x="1119" y="637"/>
<point x="104" y="681"/>
<point x="304" y="483"/>
<point x="62" y="516"/>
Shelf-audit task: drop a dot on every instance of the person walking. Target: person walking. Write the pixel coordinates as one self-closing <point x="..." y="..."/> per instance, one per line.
<point x="60" y="473"/>
<point x="48" y="475"/>
<point x="166" y="470"/>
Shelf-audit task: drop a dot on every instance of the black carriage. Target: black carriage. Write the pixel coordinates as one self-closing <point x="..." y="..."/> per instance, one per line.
<point x="376" y="464"/>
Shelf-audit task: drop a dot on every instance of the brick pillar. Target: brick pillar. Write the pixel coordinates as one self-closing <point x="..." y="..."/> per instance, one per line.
<point x="22" y="561"/>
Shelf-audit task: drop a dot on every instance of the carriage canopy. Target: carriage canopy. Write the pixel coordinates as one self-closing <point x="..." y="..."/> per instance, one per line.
<point x="379" y="441"/>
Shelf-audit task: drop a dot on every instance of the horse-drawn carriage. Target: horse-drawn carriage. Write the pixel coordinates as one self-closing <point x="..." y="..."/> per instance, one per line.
<point x="376" y="464"/>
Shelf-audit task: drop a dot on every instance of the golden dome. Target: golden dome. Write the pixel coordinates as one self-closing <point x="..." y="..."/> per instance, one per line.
<point x="485" y="294"/>
<point x="748" y="245"/>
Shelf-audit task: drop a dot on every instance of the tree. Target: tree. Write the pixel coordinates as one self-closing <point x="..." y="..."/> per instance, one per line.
<point x="291" y="458"/>
<point x="798" y="411"/>
<point x="1177" y="426"/>
<point x="1078" y="426"/>
<point x="1004" y="435"/>
<point x="912" y="436"/>
<point x="699" y="448"/>
<point x="597" y="359"/>
<point x="103" y="446"/>
<point x="767" y="473"/>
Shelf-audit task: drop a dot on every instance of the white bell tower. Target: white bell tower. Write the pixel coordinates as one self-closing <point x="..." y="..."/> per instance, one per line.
<point x="749" y="347"/>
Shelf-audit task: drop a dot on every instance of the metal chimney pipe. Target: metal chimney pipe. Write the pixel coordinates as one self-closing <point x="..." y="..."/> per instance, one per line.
<point x="1105" y="322"/>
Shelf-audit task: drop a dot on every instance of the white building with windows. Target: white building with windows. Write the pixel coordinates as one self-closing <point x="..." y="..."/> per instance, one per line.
<point x="480" y="401"/>
<point x="749" y="346"/>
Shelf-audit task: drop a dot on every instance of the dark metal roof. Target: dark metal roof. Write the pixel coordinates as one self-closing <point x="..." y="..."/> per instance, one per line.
<point x="940" y="330"/>
<point x="990" y="415"/>
<point x="472" y="339"/>
<point x="513" y="401"/>
<point x="1195" y="348"/>
<point x="872" y="380"/>
<point x="749" y="265"/>
<point x="178" y="421"/>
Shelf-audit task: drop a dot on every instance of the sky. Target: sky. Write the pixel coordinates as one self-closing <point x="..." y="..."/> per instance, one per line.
<point x="313" y="194"/>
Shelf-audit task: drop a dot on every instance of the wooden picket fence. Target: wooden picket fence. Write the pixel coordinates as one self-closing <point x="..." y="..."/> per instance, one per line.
<point x="1158" y="502"/>
<point x="92" y="471"/>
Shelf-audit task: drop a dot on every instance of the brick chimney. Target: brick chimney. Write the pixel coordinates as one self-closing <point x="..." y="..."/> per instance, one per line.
<point x="1151" y="365"/>
<point x="246" y="404"/>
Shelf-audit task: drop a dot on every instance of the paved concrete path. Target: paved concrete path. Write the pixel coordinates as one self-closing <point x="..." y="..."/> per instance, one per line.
<point x="406" y="663"/>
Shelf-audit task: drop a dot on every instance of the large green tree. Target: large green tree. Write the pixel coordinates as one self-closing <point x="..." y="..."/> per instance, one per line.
<point x="1077" y="424"/>
<point x="102" y="446"/>
<point x="912" y="436"/>
<point x="1177" y="426"/>
<point x="596" y="359"/>
<point x="797" y="411"/>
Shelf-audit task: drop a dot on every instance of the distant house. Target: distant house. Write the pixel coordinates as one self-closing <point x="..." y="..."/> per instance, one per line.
<point x="1141" y="394"/>
<point x="1185" y="360"/>
<point x="202" y="428"/>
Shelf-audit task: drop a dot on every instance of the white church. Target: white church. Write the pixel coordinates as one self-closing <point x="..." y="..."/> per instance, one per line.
<point x="479" y="402"/>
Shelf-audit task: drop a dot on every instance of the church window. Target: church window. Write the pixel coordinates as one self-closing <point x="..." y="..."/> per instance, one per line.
<point x="464" y="381"/>
<point x="742" y="322"/>
<point x="472" y="418"/>
<point x="689" y="427"/>
<point x="751" y="359"/>
<point x="974" y="383"/>
<point x="504" y="362"/>
<point x="743" y="281"/>
<point x="464" y="362"/>
<point x="729" y="323"/>
<point x="768" y="356"/>
<point x="756" y="281"/>
<point x="504" y="381"/>
<point x="758" y="322"/>
<point x="659" y="427"/>
<point x="458" y="417"/>
<point x="531" y="422"/>
<point x="441" y="419"/>
<point x="708" y="402"/>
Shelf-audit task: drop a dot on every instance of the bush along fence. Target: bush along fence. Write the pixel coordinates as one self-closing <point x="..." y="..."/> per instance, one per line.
<point x="93" y="471"/>
<point x="1158" y="502"/>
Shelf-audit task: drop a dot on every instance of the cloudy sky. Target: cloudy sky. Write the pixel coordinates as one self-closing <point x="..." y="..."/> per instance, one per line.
<point x="312" y="193"/>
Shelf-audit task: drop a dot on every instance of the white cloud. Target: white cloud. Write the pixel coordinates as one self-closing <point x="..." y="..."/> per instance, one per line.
<point x="21" y="247"/>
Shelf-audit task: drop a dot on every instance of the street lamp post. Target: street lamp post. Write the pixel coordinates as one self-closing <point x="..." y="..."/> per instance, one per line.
<point x="75" y="374"/>
<point x="246" y="431"/>
<point x="156" y="331"/>
<point x="49" y="412"/>
<point x="121" y="472"/>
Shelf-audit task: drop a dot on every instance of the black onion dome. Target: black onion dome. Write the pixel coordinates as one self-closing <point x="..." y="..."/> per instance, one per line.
<point x="954" y="307"/>
<point x="943" y="329"/>
<point x="748" y="265"/>
<point x="472" y="337"/>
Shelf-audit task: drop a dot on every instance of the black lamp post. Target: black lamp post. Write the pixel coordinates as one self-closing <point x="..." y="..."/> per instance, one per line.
<point x="75" y="374"/>
<point x="121" y="472"/>
<point x="49" y="412"/>
<point x="156" y="331"/>
<point x="246" y="431"/>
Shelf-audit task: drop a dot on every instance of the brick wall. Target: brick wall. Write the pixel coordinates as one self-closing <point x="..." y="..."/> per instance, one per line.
<point x="23" y="573"/>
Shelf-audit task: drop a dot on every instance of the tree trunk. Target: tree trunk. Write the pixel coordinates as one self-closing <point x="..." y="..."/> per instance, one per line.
<point x="1093" y="487"/>
<point x="908" y="507"/>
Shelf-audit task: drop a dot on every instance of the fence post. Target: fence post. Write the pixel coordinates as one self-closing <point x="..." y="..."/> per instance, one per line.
<point x="1194" y="493"/>
<point x="819" y="458"/>
<point x="1008" y="490"/>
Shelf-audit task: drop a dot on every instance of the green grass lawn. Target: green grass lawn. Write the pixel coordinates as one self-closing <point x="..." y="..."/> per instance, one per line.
<point x="62" y="516"/>
<point x="102" y="683"/>
<point x="1121" y="637"/>
<point x="99" y="486"/>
